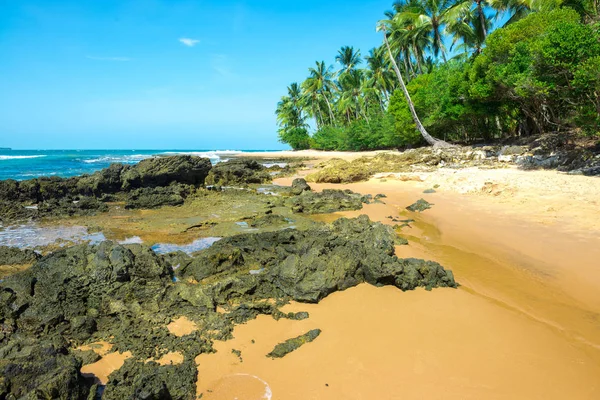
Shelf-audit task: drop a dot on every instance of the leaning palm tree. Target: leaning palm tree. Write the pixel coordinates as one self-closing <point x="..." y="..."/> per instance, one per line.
<point x="320" y="85"/>
<point x="348" y="58"/>
<point x="384" y="26"/>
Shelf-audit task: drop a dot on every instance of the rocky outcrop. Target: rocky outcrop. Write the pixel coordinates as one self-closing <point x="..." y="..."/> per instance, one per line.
<point x="238" y="172"/>
<point x="151" y="183"/>
<point x="16" y="256"/>
<point x="127" y="294"/>
<point x="419" y="206"/>
<point x="163" y="171"/>
<point x="308" y="265"/>
<point x="327" y="201"/>
<point x="299" y="186"/>
<point x="41" y="369"/>
<point x="283" y="349"/>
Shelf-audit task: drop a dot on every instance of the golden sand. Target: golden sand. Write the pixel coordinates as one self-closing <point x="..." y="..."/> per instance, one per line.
<point x="182" y="326"/>
<point x="523" y="325"/>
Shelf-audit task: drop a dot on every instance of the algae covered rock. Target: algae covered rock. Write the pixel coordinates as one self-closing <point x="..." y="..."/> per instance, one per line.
<point x="127" y="294"/>
<point x="308" y="265"/>
<point x="238" y="172"/>
<point x="41" y="369"/>
<point x="299" y="185"/>
<point x="162" y="171"/>
<point x="419" y="206"/>
<point x="150" y="381"/>
<point x="170" y="177"/>
<point x="268" y="220"/>
<point x="283" y="349"/>
<point x="327" y="201"/>
<point x="148" y="198"/>
<point x="16" y="256"/>
<point x="340" y="171"/>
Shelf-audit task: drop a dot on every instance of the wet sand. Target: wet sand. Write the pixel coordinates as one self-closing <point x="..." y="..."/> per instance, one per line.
<point x="379" y="343"/>
<point x="524" y="323"/>
<point x="110" y="362"/>
<point x="182" y="326"/>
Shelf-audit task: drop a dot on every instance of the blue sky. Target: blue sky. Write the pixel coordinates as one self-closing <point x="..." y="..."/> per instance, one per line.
<point x="108" y="74"/>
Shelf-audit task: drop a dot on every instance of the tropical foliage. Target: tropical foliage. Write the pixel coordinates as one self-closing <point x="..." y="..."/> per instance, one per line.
<point x="443" y="73"/>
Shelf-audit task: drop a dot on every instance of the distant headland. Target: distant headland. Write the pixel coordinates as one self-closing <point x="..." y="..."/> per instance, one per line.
<point x="5" y="149"/>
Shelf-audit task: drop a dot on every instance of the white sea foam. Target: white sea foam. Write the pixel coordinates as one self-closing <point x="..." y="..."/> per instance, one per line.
<point x="19" y="157"/>
<point x="132" y="159"/>
<point x="215" y="156"/>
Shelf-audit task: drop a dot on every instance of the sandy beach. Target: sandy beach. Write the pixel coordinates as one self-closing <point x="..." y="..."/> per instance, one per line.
<point x="524" y="247"/>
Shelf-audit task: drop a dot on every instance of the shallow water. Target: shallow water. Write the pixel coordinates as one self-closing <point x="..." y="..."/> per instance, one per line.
<point x="32" y="236"/>
<point x="196" y="245"/>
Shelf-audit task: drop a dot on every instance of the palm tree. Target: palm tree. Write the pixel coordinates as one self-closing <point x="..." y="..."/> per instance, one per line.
<point x="403" y="44"/>
<point x="383" y="26"/>
<point x="351" y="84"/>
<point x="428" y="16"/>
<point x="290" y="109"/>
<point x="470" y="25"/>
<point x="320" y="86"/>
<point x="379" y="74"/>
<point x="521" y="8"/>
<point x="348" y="58"/>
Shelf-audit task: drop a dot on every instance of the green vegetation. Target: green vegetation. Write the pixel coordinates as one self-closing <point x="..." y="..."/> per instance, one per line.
<point x="539" y="73"/>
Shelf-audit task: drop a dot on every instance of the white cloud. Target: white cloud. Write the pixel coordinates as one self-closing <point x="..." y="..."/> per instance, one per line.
<point x="109" y="58"/>
<point x="189" y="42"/>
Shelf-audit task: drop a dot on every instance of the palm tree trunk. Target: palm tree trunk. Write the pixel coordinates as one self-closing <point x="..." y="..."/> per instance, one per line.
<point x="419" y="66"/>
<point x="481" y="18"/>
<point x="408" y="64"/>
<point x="428" y="138"/>
<point x="330" y="111"/>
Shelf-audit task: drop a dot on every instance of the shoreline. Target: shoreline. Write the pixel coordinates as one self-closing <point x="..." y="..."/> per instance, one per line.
<point x="523" y="245"/>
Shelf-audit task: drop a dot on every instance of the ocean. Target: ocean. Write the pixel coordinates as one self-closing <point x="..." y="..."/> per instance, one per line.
<point x="28" y="164"/>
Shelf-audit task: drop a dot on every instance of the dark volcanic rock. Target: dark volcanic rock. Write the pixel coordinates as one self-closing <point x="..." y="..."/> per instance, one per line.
<point x="162" y="171"/>
<point x="151" y="183"/>
<point x="309" y="265"/>
<point x="39" y="369"/>
<point x="126" y="294"/>
<point x="268" y="220"/>
<point x="327" y="201"/>
<point x="283" y="349"/>
<point x="238" y="172"/>
<point x="173" y="195"/>
<point x="420" y="206"/>
<point x="107" y="181"/>
<point x="149" y="381"/>
<point x="16" y="256"/>
<point x="299" y="185"/>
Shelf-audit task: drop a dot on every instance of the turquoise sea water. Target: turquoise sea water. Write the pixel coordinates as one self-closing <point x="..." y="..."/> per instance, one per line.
<point x="28" y="164"/>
